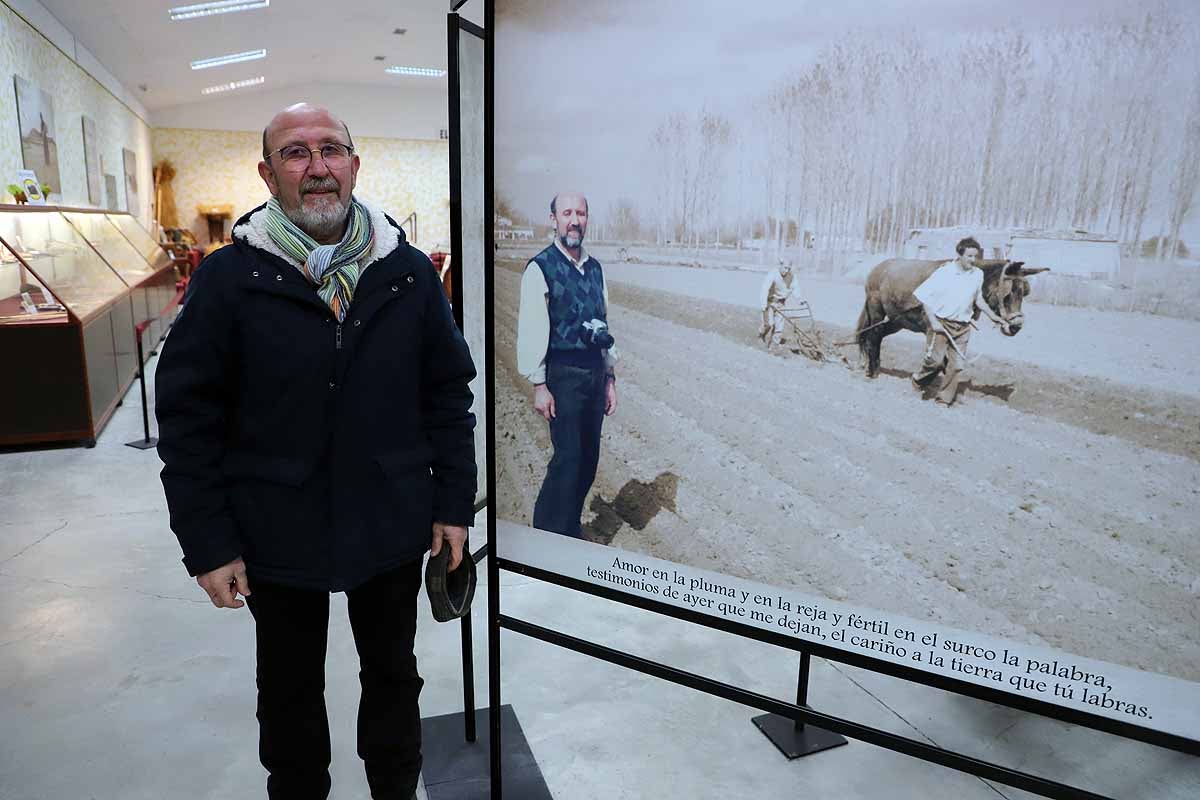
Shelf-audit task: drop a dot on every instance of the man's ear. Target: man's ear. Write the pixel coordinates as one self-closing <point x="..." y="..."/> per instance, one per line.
<point x="268" y="177"/>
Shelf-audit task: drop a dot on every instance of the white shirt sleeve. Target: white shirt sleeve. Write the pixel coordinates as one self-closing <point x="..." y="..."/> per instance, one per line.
<point x="611" y="355"/>
<point x="533" y="325"/>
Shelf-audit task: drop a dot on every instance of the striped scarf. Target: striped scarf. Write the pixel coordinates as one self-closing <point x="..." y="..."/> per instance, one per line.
<point x="332" y="268"/>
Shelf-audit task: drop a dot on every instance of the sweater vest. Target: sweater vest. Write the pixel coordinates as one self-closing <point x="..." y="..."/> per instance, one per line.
<point x="573" y="299"/>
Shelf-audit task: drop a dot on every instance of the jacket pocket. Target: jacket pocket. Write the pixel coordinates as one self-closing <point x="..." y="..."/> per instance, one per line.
<point x="399" y="463"/>
<point x="409" y="485"/>
<point x="269" y="469"/>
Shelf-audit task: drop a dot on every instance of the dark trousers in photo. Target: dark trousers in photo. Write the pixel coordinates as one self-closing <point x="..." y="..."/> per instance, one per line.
<point x="575" y="433"/>
<point x="291" y="630"/>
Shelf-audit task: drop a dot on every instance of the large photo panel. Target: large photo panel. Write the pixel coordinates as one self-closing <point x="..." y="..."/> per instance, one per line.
<point x="877" y="320"/>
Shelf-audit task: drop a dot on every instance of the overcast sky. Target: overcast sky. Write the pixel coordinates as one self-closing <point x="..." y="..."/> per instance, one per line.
<point x="580" y="86"/>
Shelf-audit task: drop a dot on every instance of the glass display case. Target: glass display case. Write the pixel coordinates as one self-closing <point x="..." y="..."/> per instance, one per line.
<point x="23" y="298"/>
<point x="152" y="282"/>
<point x="151" y="250"/>
<point x="73" y="287"/>
<point x="54" y="251"/>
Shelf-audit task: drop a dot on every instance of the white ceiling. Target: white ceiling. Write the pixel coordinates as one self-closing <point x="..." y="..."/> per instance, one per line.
<point x="307" y="41"/>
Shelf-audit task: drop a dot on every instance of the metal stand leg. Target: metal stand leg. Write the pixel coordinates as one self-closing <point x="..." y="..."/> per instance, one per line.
<point x="793" y="738"/>
<point x="468" y="663"/>
<point x="148" y="441"/>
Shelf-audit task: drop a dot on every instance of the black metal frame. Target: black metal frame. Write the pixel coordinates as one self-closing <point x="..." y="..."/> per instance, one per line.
<point x="454" y="24"/>
<point x="799" y="711"/>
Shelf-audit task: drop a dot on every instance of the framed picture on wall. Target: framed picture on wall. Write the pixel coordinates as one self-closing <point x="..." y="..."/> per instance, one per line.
<point x="110" y="193"/>
<point x="132" y="205"/>
<point x="91" y="161"/>
<point x="35" y="117"/>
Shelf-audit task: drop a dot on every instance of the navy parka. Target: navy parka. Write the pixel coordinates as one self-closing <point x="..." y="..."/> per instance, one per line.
<point x="319" y="452"/>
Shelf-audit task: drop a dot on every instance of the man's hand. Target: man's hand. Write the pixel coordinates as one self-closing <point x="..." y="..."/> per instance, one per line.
<point x="610" y="397"/>
<point x="455" y="536"/>
<point x="224" y="584"/>
<point x="543" y="402"/>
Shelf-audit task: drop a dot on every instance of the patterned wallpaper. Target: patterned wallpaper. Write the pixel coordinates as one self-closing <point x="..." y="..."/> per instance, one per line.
<point x="73" y="93"/>
<point x="401" y="175"/>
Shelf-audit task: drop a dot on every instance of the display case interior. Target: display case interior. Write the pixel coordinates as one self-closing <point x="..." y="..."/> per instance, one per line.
<point x="125" y="259"/>
<point x="61" y="258"/>
<point x="23" y="298"/>
<point x="151" y="250"/>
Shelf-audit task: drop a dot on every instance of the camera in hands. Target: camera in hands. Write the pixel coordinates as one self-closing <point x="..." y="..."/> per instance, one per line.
<point x="596" y="335"/>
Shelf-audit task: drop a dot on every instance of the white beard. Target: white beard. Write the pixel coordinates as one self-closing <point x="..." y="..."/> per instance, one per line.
<point x="322" y="221"/>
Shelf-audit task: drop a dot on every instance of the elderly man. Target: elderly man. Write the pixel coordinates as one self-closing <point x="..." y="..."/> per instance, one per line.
<point x="565" y="350"/>
<point x="314" y="422"/>
<point x="773" y="297"/>
<point x="952" y="296"/>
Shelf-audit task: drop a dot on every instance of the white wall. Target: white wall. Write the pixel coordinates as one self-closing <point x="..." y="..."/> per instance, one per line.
<point x="47" y="25"/>
<point x="34" y="46"/>
<point x="369" y="109"/>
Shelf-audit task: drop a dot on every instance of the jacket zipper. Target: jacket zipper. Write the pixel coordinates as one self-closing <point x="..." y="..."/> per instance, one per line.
<point x="338" y="338"/>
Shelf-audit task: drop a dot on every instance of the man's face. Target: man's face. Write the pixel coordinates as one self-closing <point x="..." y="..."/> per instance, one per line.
<point x="968" y="258"/>
<point x="570" y="219"/>
<point x="317" y="198"/>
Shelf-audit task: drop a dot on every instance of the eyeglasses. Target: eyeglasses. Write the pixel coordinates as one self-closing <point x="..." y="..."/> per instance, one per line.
<point x="297" y="157"/>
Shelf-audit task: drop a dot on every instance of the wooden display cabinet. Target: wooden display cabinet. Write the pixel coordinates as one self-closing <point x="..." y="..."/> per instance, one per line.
<point x="73" y="286"/>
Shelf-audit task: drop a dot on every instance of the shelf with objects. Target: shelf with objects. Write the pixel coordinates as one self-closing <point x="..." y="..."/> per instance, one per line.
<point x="69" y="302"/>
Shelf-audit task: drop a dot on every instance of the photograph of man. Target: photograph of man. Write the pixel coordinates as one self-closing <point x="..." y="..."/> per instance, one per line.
<point x="315" y="425"/>
<point x="951" y="297"/>
<point x="564" y="348"/>
<point x="773" y="297"/>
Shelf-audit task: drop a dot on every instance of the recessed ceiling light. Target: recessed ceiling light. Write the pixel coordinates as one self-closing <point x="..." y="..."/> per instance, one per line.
<point x="234" y="58"/>
<point x="423" y="72"/>
<point x="221" y="7"/>
<point x="229" y="87"/>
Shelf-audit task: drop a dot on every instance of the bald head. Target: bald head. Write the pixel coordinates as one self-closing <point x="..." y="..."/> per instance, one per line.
<point x="571" y="197"/>
<point x="300" y="115"/>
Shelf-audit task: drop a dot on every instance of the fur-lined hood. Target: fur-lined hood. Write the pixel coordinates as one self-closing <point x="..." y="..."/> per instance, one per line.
<point x="252" y="229"/>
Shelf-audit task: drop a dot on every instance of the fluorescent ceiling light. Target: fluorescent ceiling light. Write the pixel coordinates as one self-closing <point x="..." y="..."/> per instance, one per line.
<point x="422" y="71"/>
<point x="229" y="87"/>
<point x="221" y="7"/>
<point x="234" y="58"/>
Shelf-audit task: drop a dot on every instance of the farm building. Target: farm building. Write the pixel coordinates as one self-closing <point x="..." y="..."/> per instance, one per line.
<point x="505" y="229"/>
<point x="1067" y="252"/>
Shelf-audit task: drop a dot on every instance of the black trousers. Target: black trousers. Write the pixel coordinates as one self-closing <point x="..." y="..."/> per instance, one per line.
<point x="575" y="433"/>
<point x="291" y="629"/>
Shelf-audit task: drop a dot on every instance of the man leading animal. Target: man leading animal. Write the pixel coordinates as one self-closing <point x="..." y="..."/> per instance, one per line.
<point x="955" y="293"/>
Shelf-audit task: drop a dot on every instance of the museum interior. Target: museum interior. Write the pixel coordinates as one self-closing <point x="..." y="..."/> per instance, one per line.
<point x="130" y="141"/>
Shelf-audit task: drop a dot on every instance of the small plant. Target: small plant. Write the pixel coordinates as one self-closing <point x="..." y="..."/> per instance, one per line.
<point x="18" y="193"/>
<point x="46" y="190"/>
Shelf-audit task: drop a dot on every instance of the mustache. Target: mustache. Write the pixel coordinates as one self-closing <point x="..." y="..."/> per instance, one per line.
<point x="319" y="185"/>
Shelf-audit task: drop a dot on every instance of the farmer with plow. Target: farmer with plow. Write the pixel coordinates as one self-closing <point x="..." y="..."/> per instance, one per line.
<point x="777" y="288"/>
<point x="950" y="297"/>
